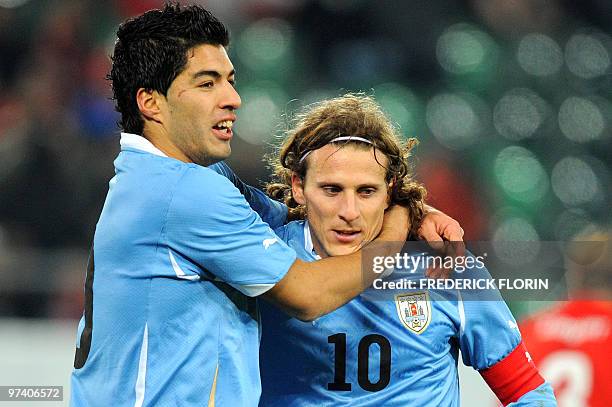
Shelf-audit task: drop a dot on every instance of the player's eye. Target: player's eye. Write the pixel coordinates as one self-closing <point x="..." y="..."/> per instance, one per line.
<point x="232" y="82"/>
<point x="331" y="189"/>
<point x="207" y="84"/>
<point x="367" y="191"/>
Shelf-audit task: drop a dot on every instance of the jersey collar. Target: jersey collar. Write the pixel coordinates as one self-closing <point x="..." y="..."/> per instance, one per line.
<point x="308" y="245"/>
<point x="134" y="141"/>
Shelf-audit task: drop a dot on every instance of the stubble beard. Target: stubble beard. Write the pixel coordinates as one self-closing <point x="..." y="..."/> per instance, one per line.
<point x="199" y="155"/>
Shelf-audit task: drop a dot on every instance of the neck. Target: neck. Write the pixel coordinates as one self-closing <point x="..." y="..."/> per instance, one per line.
<point x="312" y="239"/>
<point x="319" y="250"/>
<point x="161" y="140"/>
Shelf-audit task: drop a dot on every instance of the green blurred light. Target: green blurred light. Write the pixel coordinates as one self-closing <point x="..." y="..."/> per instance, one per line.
<point x="539" y="55"/>
<point x="266" y="44"/>
<point x="519" y="114"/>
<point x="586" y="56"/>
<point x="463" y="48"/>
<point x="574" y="181"/>
<point x="454" y="120"/>
<point x="581" y="120"/>
<point x="258" y="118"/>
<point x="520" y="174"/>
<point x="571" y="222"/>
<point x="402" y="106"/>
<point x="516" y="241"/>
<point x="515" y="229"/>
<point x="12" y="3"/>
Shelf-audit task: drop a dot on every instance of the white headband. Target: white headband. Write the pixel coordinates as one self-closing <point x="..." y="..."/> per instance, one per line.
<point x="341" y="138"/>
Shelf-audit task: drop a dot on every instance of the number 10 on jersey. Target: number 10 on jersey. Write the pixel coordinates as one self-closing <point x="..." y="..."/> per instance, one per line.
<point x="363" y="363"/>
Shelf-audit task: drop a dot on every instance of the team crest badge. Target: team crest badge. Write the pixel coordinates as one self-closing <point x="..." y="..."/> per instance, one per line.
<point x="414" y="310"/>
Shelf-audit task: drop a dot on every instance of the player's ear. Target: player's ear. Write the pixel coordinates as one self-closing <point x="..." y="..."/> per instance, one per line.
<point x="150" y="103"/>
<point x="297" y="189"/>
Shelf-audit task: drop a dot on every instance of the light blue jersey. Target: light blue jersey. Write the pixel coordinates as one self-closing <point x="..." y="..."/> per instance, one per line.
<point x="397" y="352"/>
<point x="177" y="256"/>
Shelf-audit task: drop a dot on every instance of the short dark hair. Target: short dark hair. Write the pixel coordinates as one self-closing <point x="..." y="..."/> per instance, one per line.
<point x="151" y="51"/>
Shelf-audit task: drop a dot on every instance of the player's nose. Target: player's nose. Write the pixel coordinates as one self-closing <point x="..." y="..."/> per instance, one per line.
<point x="349" y="209"/>
<point x="230" y="98"/>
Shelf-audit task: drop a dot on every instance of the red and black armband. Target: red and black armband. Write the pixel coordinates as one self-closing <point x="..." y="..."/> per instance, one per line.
<point x="513" y="376"/>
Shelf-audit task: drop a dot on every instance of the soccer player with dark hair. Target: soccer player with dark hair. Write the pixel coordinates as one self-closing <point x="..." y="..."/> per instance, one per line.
<point x="340" y="167"/>
<point x="178" y="253"/>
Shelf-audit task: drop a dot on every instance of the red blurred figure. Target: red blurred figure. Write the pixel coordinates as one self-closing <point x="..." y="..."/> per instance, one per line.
<point x="571" y="343"/>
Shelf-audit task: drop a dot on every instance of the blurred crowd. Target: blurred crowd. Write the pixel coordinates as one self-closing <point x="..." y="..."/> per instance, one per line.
<point x="511" y="101"/>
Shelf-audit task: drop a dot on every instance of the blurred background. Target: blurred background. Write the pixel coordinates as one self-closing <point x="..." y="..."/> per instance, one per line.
<point x="510" y="99"/>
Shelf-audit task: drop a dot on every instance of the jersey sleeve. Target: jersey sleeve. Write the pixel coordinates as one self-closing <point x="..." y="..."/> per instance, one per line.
<point x="490" y="342"/>
<point x="488" y="331"/>
<point x="542" y="395"/>
<point x="210" y="223"/>
<point x="272" y="212"/>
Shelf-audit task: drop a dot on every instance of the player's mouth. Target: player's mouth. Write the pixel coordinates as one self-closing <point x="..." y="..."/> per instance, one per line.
<point x="223" y="129"/>
<point x="346" y="235"/>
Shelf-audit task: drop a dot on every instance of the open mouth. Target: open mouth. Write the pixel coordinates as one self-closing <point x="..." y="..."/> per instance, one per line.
<point x="346" y="236"/>
<point x="223" y="129"/>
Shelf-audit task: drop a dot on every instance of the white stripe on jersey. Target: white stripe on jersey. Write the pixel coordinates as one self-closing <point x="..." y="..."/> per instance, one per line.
<point x="461" y="313"/>
<point x="178" y="271"/>
<point x="139" y="388"/>
<point x="251" y="290"/>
